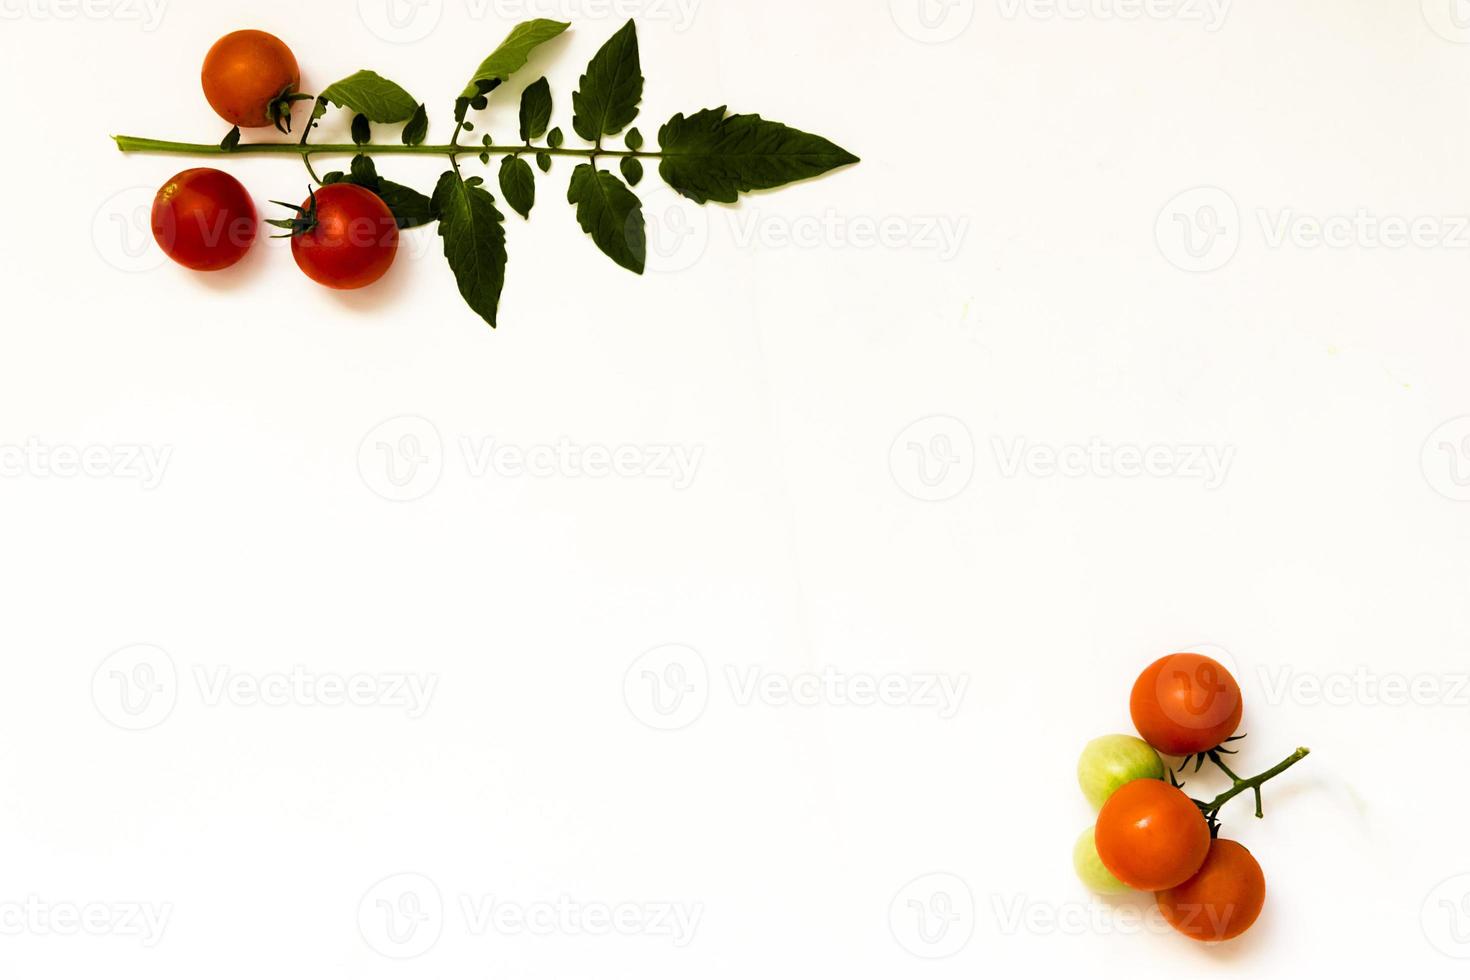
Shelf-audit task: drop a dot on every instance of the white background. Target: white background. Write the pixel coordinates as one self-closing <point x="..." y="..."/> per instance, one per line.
<point x="854" y="406"/>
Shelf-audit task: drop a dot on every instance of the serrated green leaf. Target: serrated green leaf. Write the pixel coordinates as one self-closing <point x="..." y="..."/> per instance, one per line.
<point x="554" y="138"/>
<point x="512" y="54"/>
<point x="231" y="140"/>
<point x="417" y="128"/>
<point x="607" y="97"/>
<point x="611" y="214"/>
<point x="713" y="157"/>
<point x="474" y="241"/>
<point x="632" y="170"/>
<point x="518" y="184"/>
<point x="410" y="208"/>
<point x="373" y="96"/>
<point x="634" y="139"/>
<point x="543" y="160"/>
<point x="362" y="132"/>
<point x="535" y="109"/>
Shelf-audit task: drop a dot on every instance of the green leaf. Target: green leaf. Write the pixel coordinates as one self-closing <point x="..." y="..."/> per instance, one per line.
<point x="410" y="208"/>
<point x="543" y="160"/>
<point x="632" y="170"/>
<point x="518" y="184"/>
<point x="634" y="139"/>
<point x="231" y="140"/>
<point x="417" y="128"/>
<point x="606" y="100"/>
<point x="361" y="131"/>
<point x="535" y="109"/>
<point x="713" y="157"/>
<point x="611" y="214"/>
<point x="474" y="241"/>
<point x="372" y="95"/>
<point x="512" y="54"/>
<point x="554" y="138"/>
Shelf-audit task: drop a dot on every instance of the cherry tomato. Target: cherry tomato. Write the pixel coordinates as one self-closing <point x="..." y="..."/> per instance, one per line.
<point x="1222" y="900"/>
<point x="1185" y="703"/>
<point x="247" y="76"/>
<point x="1109" y="761"/>
<point x="1151" y="836"/>
<point x="346" y="237"/>
<point x="204" y="219"/>
<point x="1091" y="870"/>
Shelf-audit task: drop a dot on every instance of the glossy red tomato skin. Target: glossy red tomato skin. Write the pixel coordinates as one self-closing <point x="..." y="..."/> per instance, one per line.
<point x="354" y="241"/>
<point x="244" y="72"/>
<point x="1185" y="703"/>
<point x="1222" y="900"/>
<point x="1151" y="836"/>
<point x="204" y="219"/>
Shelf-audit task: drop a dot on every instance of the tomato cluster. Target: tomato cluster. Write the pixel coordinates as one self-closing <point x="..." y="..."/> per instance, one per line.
<point x="344" y="236"/>
<point x="1149" y="834"/>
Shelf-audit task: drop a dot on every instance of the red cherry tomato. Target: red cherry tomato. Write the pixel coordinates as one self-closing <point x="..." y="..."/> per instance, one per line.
<point x="1151" y="836"/>
<point x="1222" y="900"/>
<point x="1185" y="703"/>
<point x="246" y="76"/>
<point x="204" y="219"/>
<point x="347" y="238"/>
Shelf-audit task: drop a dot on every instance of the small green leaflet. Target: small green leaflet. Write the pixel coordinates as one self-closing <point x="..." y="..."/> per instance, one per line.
<point x="372" y="95"/>
<point x="632" y="170"/>
<point x="231" y="140"/>
<point x="713" y="157"/>
<point x="611" y="214"/>
<point x="543" y="160"/>
<point x="518" y="185"/>
<point x="474" y="241"/>
<point x="535" y="109"/>
<point x="417" y="128"/>
<point x="512" y="54"/>
<point x="361" y="131"/>
<point x="634" y="139"/>
<point x="554" y="138"/>
<point x="410" y="208"/>
<point x="607" y="97"/>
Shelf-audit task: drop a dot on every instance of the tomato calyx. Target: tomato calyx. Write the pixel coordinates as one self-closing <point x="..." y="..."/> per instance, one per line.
<point x="279" y="108"/>
<point x="304" y="222"/>
<point x="1199" y="758"/>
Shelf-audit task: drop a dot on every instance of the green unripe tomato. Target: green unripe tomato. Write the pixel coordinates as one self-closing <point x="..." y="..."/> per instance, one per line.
<point x="1091" y="869"/>
<point x="1112" y="760"/>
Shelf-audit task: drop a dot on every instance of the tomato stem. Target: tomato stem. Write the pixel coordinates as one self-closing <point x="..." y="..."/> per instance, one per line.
<point x="1239" y="785"/>
<point x="139" y="144"/>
